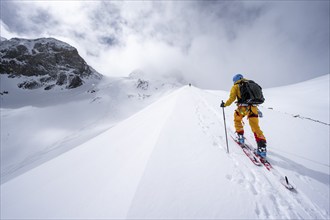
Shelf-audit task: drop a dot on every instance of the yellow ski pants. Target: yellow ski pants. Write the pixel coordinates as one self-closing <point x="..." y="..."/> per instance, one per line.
<point x="252" y="113"/>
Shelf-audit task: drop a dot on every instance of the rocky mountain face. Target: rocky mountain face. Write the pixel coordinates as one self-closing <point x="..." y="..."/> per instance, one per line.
<point x="44" y="63"/>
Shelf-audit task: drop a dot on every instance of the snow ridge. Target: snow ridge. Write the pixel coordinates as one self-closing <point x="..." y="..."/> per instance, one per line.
<point x="169" y="160"/>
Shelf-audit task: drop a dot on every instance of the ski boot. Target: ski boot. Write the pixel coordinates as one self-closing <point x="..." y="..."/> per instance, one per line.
<point x="262" y="151"/>
<point x="240" y="138"/>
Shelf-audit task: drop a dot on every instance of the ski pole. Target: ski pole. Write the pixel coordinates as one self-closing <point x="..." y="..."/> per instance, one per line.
<point x="224" y="120"/>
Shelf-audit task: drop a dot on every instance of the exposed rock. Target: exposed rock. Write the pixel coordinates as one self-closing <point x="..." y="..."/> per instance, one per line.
<point x="142" y="84"/>
<point x="49" y="87"/>
<point x="75" y="82"/>
<point x="61" y="79"/>
<point x="53" y="63"/>
<point x="29" y="85"/>
<point x="4" y="93"/>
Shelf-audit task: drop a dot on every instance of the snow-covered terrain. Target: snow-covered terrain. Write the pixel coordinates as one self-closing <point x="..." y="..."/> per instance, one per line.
<point x="37" y="125"/>
<point x="168" y="160"/>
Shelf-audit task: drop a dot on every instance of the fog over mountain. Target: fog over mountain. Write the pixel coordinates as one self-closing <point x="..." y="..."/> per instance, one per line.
<point x="276" y="42"/>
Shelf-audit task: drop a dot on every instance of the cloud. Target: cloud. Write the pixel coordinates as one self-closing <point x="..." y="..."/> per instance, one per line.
<point x="275" y="42"/>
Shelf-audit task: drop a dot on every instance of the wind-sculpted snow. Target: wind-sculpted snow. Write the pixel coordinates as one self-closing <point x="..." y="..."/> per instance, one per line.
<point x="169" y="160"/>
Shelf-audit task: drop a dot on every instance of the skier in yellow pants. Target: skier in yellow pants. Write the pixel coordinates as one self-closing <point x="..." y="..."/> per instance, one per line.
<point x="251" y="111"/>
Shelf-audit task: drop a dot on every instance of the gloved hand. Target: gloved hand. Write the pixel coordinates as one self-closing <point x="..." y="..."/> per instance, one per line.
<point x="222" y="104"/>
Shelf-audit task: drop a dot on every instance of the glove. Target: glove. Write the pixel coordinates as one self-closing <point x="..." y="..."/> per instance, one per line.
<point x="222" y="105"/>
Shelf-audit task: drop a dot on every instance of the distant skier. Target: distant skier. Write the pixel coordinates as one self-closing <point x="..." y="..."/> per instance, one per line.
<point x="247" y="107"/>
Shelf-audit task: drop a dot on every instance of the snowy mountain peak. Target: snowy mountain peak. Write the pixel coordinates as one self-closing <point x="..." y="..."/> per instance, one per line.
<point x="44" y="63"/>
<point x="33" y="46"/>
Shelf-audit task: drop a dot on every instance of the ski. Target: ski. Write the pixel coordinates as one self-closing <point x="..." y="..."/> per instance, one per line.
<point x="264" y="161"/>
<point x="250" y="152"/>
<point x="247" y="152"/>
<point x="283" y="179"/>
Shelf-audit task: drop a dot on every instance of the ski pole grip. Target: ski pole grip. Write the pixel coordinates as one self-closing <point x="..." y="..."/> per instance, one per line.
<point x="222" y="104"/>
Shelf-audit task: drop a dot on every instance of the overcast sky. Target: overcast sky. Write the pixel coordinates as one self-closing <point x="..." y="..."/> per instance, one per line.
<point x="273" y="42"/>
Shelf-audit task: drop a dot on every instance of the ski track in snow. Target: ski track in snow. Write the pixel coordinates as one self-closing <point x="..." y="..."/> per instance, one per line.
<point x="257" y="180"/>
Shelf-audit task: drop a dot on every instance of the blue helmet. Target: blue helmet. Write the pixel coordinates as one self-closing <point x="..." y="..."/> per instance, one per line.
<point x="237" y="77"/>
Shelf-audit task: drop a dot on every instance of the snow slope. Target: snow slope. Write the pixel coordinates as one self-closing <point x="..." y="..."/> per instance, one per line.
<point x="169" y="160"/>
<point x="37" y="125"/>
<point x="308" y="100"/>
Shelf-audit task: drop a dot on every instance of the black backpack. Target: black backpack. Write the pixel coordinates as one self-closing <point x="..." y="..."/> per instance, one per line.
<point x="251" y="93"/>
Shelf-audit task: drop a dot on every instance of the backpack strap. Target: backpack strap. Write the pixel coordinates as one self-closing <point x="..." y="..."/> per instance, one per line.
<point x="240" y="83"/>
<point x="251" y="114"/>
